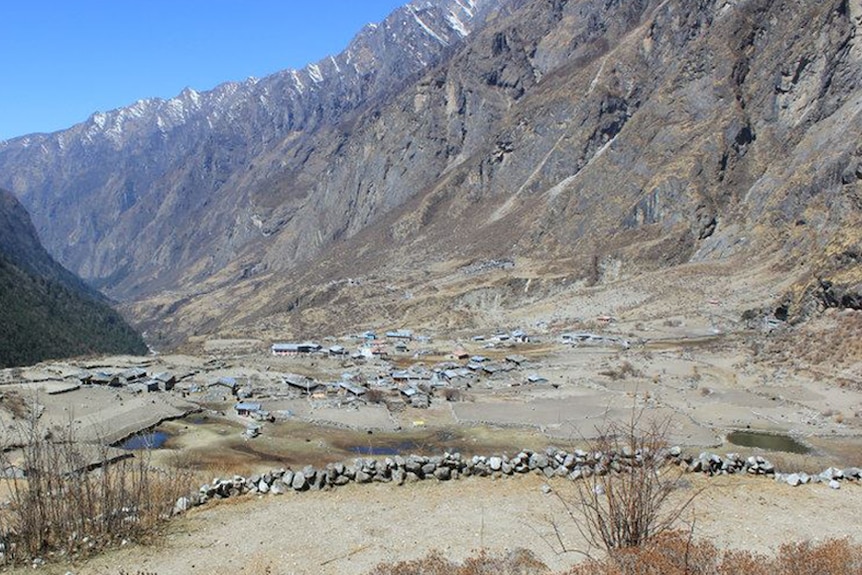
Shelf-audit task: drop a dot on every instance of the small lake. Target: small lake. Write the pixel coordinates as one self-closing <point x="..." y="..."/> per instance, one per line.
<point x="149" y="440"/>
<point x="401" y="448"/>
<point x="768" y="441"/>
<point x="430" y="443"/>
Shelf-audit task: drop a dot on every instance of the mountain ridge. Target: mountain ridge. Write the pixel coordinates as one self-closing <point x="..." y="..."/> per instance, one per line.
<point x="587" y="141"/>
<point x="184" y="150"/>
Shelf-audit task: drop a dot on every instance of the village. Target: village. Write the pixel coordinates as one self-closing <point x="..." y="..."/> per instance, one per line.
<point x="510" y="385"/>
<point x="517" y="406"/>
<point x="397" y="370"/>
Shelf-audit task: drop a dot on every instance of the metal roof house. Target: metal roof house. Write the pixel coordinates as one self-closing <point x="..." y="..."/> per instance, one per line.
<point x="303" y="384"/>
<point x="285" y="348"/>
<point x="133" y="374"/>
<point x="102" y="378"/>
<point x="246" y="408"/>
<point x="356" y="390"/>
<point x="400" y="334"/>
<point x="295" y="348"/>
<point x="228" y="382"/>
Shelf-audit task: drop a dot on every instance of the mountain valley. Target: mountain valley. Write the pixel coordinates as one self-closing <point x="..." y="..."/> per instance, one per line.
<point x="486" y="226"/>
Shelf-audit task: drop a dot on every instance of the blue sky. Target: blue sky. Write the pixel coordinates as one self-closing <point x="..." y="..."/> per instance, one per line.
<point x="62" y="60"/>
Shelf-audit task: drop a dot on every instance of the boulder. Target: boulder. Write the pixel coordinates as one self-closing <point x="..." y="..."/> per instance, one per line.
<point x="411" y="477"/>
<point x="320" y="481"/>
<point x="299" y="482"/>
<point x="443" y="473"/>
<point x="309" y="472"/>
<point x="538" y="461"/>
<point x="341" y="480"/>
<point x="496" y="463"/>
<point x="182" y="505"/>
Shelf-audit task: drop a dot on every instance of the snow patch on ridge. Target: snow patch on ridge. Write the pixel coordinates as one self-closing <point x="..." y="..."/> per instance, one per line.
<point x="314" y="73"/>
<point x="456" y="24"/>
<point x="425" y="26"/>
<point x="297" y="81"/>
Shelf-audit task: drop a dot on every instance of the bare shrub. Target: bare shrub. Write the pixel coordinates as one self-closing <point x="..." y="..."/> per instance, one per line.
<point x="624" y="370"/>
<point x="75" y="499"/>
<point x="14" y="403"/>
<point x="625" y="503"/>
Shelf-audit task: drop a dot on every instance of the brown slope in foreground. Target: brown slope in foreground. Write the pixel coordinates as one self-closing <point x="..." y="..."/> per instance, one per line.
<point x="369" y="524"/>
<point x="644" y="148"/>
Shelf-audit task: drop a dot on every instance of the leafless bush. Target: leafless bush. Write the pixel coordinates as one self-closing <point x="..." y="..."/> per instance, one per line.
<point x="74" y="501"/>
<point x="625" y="503"/>
<point x="625" y="369"/>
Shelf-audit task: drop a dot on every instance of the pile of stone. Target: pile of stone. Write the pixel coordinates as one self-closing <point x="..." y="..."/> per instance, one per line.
<point x="714" y="464"/>
<point x="550" y="463"/>
<point x="831" y="476"/>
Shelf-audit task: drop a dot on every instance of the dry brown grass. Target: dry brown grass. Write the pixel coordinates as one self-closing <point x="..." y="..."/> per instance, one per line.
<point x="674" y="553"/>
<point x="830" y="343"/>
<point x="516" y="562"/>
<point x="671" y="553"/>
<point x="624" y="370"/>
<point x="13" y="402"/>
<point x="67" y="506"/>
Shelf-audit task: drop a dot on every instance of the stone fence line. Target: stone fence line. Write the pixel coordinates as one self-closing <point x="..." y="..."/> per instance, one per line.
<point x="550" y="463"/>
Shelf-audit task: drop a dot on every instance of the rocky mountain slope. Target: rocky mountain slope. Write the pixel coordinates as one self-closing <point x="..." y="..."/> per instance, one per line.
<point x="155" y="166"/>
<point x="559" y="146"/>
<point x="45" y="311"/>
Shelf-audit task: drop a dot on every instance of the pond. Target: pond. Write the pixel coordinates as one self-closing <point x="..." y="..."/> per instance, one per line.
<point x="769" y="441"/>
<point x="148" y="440"/>
<point x="400" y="448"/>
<point x="434" y="442"/>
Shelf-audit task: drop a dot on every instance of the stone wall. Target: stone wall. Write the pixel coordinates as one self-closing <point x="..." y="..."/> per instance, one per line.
<point x="551" y="463"/>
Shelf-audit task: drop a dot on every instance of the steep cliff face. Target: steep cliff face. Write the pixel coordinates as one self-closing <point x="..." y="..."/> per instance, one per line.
<point x="45" y="311"/>
<point x="593" y="140"/>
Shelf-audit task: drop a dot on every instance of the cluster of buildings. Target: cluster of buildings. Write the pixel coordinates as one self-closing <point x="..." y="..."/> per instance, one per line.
<point x="412" y="386"/>
<point x="135" y="379"/>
